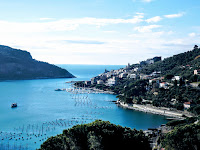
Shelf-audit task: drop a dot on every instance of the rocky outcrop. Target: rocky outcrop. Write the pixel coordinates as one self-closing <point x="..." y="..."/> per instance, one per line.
<point x="19" y="65"/>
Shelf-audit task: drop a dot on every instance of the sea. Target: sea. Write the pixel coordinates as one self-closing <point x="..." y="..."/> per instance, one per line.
<point x="43" y="112"/>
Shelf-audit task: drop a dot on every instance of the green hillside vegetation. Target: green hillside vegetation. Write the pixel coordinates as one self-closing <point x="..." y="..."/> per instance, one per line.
<point x="186" y="137"/>
<point x="181" y="64"/>
<point x="98" y="135"/>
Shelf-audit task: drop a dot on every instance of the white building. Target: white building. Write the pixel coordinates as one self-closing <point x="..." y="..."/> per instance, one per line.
<point x="87" y="82"/>
<point x="163" y="85"/>
<point x="187" y="105"/>
<point x="149" y="61"/>
<point x="177" y="78"/>
<point x="196" y="72"/>
<point x="135" y="69"/>
<point x="111" y="82"/>
<point x="100" y="82"/>
<point x="123" y="75"/>
<point x="132" y="76"/>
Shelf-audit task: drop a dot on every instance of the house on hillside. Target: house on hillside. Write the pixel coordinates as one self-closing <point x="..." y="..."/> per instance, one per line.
<point x="149" y="61"/>
<point x="163" y="85"/>
<point x="177" y="78"/>
<point x="88" y="83"/>
<point x="100" y="82"/>
<point x="135" y="69"/>
<point x="142" y="76"/>
<point x="197" y="72"/>
<point x="132" y="76"/>
<point x="187" y="105"/>
<point x="112" y="81"/>
<point x="123" y="75"/>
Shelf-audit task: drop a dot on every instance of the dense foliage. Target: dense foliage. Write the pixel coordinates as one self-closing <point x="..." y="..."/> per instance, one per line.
<point x="183" y="138"/>
<point x="96" y="136"/>
<point x="133" y="90"/>
<point x="180" y="93"/>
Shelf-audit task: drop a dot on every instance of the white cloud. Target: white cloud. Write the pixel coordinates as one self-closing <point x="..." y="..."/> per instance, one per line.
<point x="110" y="31"/>
<point x="60" y="25"/>
<point x="88" y="45"/>
<point x="45" y="19"/>
<point x="146" y="28"/>
<point x="170" y="32"/>
<point x="147" y="1"/>
<point x="64" y="24"/>
<point x="138" y="13"/>
<point x="174" y="15"/>
<point x="154" y="19"/>
<point x="192" y="34"/>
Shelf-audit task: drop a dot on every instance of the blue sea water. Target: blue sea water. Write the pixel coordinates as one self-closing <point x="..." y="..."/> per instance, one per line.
<point x="43" y="112"/>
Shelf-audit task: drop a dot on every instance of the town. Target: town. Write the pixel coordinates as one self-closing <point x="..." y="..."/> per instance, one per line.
<point x="155" y="81"/>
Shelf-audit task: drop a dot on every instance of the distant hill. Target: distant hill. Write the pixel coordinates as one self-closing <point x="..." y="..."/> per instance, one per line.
<point x="17" y="64"/>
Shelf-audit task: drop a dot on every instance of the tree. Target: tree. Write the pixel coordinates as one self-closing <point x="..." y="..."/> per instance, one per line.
<point x="98" y="135"/>
<point x="169" y="76"/>
<point x="183" y="138"/>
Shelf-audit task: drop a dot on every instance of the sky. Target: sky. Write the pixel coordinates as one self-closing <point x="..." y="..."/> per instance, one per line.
<point x="108" y="32"/>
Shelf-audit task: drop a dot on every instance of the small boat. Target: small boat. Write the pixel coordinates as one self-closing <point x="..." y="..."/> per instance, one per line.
<point x="58" y="90"/>
<point x="14" y="105"/>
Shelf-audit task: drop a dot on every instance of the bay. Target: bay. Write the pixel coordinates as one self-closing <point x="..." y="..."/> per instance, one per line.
<point x="43" y="112"/>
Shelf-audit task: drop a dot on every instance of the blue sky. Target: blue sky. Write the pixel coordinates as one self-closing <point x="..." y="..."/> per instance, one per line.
<point x="100" y="31"/>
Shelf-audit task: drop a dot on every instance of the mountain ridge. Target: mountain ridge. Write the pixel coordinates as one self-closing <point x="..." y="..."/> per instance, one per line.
<point x="16" y="64"/>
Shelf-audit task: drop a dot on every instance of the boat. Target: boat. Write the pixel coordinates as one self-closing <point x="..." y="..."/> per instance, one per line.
<point x="13" y="105"/>
<point x="58" y="90"/>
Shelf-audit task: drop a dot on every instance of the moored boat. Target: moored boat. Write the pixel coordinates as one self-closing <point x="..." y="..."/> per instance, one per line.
<point x="58" y="90"/>
<point x="13" y="105"/>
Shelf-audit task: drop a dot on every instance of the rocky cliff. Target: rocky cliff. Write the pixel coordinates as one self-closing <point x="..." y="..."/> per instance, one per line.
<point x="19" y="65"/>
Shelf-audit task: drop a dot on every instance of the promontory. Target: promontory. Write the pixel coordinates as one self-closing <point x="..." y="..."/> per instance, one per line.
<point x="18" y="64"/>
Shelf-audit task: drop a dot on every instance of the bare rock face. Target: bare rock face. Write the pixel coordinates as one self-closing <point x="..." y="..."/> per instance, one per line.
<point x="19" y="65"/>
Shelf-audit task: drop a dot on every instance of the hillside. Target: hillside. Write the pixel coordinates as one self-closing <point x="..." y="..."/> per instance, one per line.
<point x="181" y="64"/>
<point x="19" y="65"/>
<point x="170" y="83"/>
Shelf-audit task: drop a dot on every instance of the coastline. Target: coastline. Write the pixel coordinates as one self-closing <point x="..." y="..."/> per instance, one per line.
<point x="155" y="110"/>
<point x="93" y="90"/>
<point x="173" y="114"/>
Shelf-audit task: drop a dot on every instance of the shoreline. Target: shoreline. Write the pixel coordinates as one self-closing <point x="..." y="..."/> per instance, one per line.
<point x="173" y="114"/>
<point x="93" y="90"/>
<point x="154" y="110"/>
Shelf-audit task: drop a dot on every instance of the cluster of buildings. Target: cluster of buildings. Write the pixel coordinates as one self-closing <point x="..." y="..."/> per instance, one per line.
<point x="156" y="81"/>
<point x="110" y="78"/>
